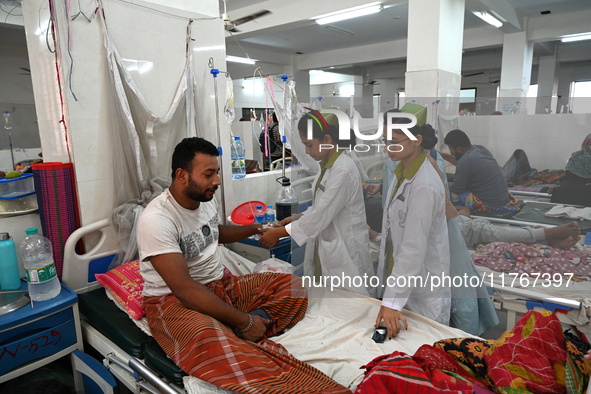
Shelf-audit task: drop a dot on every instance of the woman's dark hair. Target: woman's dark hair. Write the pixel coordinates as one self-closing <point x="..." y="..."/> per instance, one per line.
<point x="320" y="127"/>
<point x="428" y="133"/>
<point x="186" y="150"/>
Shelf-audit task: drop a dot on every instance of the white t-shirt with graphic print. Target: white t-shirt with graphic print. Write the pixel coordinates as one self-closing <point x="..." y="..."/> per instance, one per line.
<point x="167" y="227"/>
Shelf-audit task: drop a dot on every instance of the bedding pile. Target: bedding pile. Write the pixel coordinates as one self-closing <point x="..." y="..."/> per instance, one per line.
<point x="533" y="357"/>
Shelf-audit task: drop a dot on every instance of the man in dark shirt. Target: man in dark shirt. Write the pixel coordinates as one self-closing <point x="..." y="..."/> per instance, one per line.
<point x="477" y="171"/>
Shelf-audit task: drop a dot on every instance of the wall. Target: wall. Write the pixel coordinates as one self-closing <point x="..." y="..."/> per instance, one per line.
<point x="149" y="38"/>
<point x="548" y="140"/>
<point x="251" y="93"/>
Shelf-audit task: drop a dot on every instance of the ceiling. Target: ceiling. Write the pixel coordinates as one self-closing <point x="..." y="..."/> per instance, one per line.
<point x="387" y="25"/>
<point x="535" y="7"/>
<point x="304" y="36"/>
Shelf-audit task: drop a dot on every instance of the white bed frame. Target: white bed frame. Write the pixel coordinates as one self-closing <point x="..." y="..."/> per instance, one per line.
<point x="128" y="370"/>
<point x="532" y="196"/>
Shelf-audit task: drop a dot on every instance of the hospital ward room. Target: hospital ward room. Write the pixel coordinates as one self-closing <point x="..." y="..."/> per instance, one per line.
<point x="282" y="197"/>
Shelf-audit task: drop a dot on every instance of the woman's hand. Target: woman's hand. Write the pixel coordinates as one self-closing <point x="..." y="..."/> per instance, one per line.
<point x="392" y="319"/>
<point x="285" y="221"/>
<point x="290" y="219"/>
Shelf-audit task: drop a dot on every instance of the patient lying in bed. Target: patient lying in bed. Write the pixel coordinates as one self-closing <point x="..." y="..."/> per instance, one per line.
<point x="480" y="231"/>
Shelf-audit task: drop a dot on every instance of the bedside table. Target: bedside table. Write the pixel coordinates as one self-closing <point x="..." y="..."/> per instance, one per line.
<point x="33" y="337"/>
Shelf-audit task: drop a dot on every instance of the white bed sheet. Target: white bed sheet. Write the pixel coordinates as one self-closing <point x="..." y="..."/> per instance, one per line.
<point x="335" y="334"/>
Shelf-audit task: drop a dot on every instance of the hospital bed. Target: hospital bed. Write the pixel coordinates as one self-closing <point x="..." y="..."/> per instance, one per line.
<point x="532" y="214"/>
<point x="573" y="302"/>
<point x="531" y="196"/>
<point x="334" y="336"/>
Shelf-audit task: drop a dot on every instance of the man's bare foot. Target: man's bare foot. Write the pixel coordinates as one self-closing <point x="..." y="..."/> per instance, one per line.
<point x="563" y="243"/>
<point x="562" y="232"/>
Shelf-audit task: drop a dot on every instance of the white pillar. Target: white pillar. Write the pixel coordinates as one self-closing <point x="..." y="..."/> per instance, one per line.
<point x="547" y="83"/>
<point x="515" y="71"/>
<point x="363" y="97"/>
<point x="434" y="53"/>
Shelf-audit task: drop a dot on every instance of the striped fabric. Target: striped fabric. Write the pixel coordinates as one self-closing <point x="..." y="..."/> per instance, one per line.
<point x="209" y="350"/>
<point x="58" y="205"/>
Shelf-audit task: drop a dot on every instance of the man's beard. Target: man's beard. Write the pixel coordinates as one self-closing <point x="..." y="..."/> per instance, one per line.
<point x="194" y="193"/>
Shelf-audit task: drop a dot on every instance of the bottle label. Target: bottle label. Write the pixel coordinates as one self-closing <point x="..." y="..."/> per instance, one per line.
<point x="237" y="163"/>
<point x="40" y="275"/>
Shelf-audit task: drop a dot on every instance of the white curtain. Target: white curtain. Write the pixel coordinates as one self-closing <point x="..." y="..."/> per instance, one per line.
<point x="143" y="142"/>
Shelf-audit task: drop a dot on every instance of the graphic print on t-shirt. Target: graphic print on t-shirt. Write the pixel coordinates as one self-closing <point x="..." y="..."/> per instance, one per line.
<point x="193" y="244"/>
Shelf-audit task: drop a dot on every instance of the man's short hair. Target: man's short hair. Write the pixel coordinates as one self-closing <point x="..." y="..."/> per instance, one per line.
<point x="457" y="138"/>
<point x="186" y="150"/>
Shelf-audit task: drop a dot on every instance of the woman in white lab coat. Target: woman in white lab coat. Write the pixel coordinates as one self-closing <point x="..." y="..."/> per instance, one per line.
<point x="415" y="245"/>
<point x="334" y="229"/>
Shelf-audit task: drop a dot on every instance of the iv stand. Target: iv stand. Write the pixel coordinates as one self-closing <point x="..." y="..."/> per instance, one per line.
<point x="11" y="152"/>
<point x="215" y="72"/>
<point x="283" y="139"/>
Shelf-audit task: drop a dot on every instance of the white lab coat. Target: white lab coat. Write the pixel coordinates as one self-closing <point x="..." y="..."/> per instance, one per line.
<point x="418" y="230"/>
<point x="337" y="222"/>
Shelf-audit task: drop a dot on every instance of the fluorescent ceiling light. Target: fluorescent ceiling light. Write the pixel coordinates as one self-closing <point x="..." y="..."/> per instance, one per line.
<point x="488" y="18"/>
<point x="316" y="71"/>
<point x="237" y="59"/>
<point x="577" y="38"/>
<point x="352" y="13"/>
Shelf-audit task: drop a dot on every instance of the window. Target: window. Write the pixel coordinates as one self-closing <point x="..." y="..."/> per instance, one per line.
<point x="531" y="98"/>
<point x="376" y="105"/>
<point x="401" y="99"/>
<point x="580" y="97"/>
<point x="468" y="95"/>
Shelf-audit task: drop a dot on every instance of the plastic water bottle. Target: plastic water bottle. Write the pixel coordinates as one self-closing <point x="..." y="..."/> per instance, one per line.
<point x="237" y="153"/>
<point x="270" y="215"/>
<point x="39" y="266"/>
<point x="259" y="215"/>
<point x="9" y="276"/>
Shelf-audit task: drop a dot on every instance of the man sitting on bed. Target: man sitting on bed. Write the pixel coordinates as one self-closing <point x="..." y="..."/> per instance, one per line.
<point x="479" y="182"/>
<point x="196" y="309"/>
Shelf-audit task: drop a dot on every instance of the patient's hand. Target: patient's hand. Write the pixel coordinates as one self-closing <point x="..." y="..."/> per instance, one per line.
<point x="271" y="236"/>
<point x="258" y="329"/>
<point x="588" y="355"/>
<point x="391" y="319"/>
